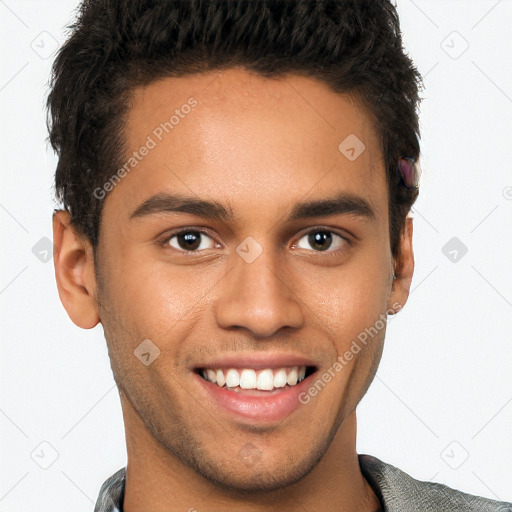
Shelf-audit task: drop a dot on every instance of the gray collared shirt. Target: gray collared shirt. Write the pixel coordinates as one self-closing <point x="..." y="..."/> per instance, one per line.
<point x="396" y="490"/>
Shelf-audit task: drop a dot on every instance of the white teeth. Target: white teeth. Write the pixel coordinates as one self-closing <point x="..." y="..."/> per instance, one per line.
<point x="247" y="378"/>
<point x="221" y="380"/>
<point x="211" y="375"/>
<point x="292" y="377"/>
<point x="232" y="378"/>
<point x="280" y="378"/>
<point x="265" y="380"/>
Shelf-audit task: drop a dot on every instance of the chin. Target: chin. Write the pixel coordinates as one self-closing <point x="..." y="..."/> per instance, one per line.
<point x="257" y="481"/>
<point x="252" y="475"/>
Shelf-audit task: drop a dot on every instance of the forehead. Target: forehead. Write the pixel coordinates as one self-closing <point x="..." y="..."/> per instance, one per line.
<point x="235" y="135"/>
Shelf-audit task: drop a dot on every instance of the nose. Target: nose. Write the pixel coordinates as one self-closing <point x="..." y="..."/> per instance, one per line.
<point x="258" y="296"/>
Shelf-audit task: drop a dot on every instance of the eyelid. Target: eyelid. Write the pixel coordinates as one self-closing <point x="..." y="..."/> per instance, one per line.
<point x="337" y="231"/>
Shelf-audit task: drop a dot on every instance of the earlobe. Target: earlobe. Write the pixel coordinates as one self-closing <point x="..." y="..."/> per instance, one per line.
<point x="74" y="272"/>
<point x="404" y="269"/>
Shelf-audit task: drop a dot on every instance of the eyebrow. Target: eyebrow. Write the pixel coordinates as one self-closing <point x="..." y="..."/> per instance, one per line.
<point x="343" y="203"/>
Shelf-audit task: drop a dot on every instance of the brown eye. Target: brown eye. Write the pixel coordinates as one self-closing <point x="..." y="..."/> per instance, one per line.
<point x="322" y="240"/>
<point x="187" y="241"/>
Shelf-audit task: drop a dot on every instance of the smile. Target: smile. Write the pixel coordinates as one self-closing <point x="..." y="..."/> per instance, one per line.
<point x="266" y="379"/>
<point x="262" y="388"/>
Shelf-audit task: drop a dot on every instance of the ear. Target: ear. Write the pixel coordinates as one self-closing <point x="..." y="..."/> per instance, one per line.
<point x="74" y="272"/>
<point x="404" y="269"/>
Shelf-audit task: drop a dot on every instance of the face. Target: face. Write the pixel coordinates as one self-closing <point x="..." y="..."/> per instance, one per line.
<point x="278" y="274"/>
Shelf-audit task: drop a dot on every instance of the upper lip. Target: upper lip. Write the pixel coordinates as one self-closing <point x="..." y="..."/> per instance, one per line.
<point x="258" y="361"/>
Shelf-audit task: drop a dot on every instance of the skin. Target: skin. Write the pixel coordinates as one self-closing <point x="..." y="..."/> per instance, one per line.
<point x="258" y="146"/>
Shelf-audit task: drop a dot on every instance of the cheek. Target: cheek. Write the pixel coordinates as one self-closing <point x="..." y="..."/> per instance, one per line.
<point x="162" y="299"/>
<point x="351" y="298"/>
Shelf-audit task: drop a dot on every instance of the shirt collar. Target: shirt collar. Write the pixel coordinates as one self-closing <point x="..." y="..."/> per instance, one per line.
<point x="111" y="495"/>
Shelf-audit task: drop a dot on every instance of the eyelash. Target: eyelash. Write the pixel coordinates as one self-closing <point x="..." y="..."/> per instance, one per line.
<point x="317" y="229"/>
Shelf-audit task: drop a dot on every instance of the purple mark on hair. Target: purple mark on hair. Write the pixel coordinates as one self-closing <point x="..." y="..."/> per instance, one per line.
<point x="408" y="172"/>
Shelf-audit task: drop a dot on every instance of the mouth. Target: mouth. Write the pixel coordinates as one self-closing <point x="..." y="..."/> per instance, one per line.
<point x="261" y="390"/>
<point x="239" y="380"/>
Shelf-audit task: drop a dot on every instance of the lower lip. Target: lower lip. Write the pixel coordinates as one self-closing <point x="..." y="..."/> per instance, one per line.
<point x="274" y="406"/>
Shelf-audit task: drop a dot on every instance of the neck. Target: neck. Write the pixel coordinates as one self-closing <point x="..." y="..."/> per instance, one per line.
<point x="155" y="479"/>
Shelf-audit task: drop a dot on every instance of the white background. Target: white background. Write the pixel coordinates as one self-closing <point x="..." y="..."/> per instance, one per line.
<point x="440" y="407"/>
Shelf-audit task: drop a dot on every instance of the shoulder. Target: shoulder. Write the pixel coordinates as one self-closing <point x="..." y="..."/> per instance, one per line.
<point x="398" y="491"/>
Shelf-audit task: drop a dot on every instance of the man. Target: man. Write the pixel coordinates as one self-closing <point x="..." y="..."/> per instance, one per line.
<point x="237" y="178"/>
